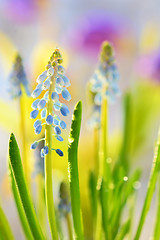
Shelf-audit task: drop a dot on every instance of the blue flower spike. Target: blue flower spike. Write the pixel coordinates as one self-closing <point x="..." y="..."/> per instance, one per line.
<point x="104" y="83"/>
<point x="51" y="83"/>
<point x="18" y="79"/>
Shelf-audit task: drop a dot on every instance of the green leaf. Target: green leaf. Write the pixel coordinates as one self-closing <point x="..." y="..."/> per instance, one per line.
<point x="123" y="230"/>
<point x="73" y="170"/>
<point x="157" y="223"/>
<point x="93" y="194"/>
<point x="151" y="188"/>
<point x="17" y="170"/>
<point x="5" y="229"/>
<point x="19" y="206"/>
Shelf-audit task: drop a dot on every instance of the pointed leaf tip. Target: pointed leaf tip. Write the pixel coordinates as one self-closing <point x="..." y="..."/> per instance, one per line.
<point x="78" y="105"/>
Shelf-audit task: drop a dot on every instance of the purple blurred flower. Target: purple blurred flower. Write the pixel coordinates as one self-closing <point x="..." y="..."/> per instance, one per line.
<point x="22" y="10"/>
<point x="95" y="28"/>
<point x="148" y="66"/>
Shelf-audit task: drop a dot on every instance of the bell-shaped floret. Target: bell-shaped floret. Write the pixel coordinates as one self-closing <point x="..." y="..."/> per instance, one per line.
<point x="34" y="145"/>
<point x="55" y="96"/>
<point x="55" y="121"/>
<point x="57" y="105"/>
<point x="46" y="150"/>
<point x="63" y="125"/>
<point x="49" y="119"/>
<point x="50" y="72"/>
<point x="42" y="77"/>
<point x="38" y="129"/>
<point x="64" y="110"/>
<point x="41" y="104"/>
<point x="44" y="113"/>
<point x="37" y="122"/>
<point x="59" y="152"/>
<point x="60" y="81"/>
<point x="61" y="70"/>
<point x="66" y="95"/>
<point x="58" y="89"/>
<point x="46" y="84"/>
<point x="57" y="130"/>
<point x="34" y="114"/>
<point x="36" y="92"/>
<point x="35" y="104"/>
<point x="59" y="138"/>
<point x="66" y="81"/>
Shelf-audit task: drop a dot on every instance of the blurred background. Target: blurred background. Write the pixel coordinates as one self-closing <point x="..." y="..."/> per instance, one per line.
<point x="33" y="28"/>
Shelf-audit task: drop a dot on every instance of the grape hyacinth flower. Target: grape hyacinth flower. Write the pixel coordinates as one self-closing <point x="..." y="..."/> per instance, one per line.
<point x="103" y="87"/>
<point x="104" y="82"/>
<point x="53" y="82"/>
<point x="50" y="84"/>
<point x="18" y="79"/>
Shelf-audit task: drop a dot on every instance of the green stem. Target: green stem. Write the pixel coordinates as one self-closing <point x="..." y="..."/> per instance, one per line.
<point x="69" y="226"/>
<point x="23" y="134"/>
<point x="150" y="190"/>
<point x="41" y="208"/>
<point x="98" y="231"/>
<point x="123" y="159"/>
<point x="104" y="172"/>
<point x="48" y="165"/>
<point x="5" y="229"/>
<point x="73" y="171"/>
<point x="157" y="223"/>
<point x="96" y="149"/>
<point x="103" y="140"/>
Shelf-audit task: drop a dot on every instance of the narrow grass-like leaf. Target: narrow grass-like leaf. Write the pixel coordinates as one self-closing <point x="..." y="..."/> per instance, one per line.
<point x="151" y="188"/>
<point x="59" y="226"/>
<point x="5" y="229"/>
<point x="104" y="198"/>
<point x="19" y="206"/>
<point x="125" y="150"/>
<point x="73" y="170"/>
<point x="17" y="170"/>
<point x="123" y="191"/>
<point x="123" y="230"/>
<point x="93" y="194"/>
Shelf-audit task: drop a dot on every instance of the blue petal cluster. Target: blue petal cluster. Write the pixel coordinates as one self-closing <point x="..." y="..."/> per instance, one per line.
<point x="39" y="106"/>
<point x="18" y="79"/>
<point x="104" y="83"/>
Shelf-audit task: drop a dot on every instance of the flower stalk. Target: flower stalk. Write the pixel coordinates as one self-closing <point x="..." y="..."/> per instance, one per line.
<point x="48" y="165"/>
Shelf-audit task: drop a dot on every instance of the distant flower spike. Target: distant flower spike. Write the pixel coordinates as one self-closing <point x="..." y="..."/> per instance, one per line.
<point x="64" y="205"/>
<point x="104" y="82"/>
<point x="18" y="79"/>
<point x="54" y="82"/>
